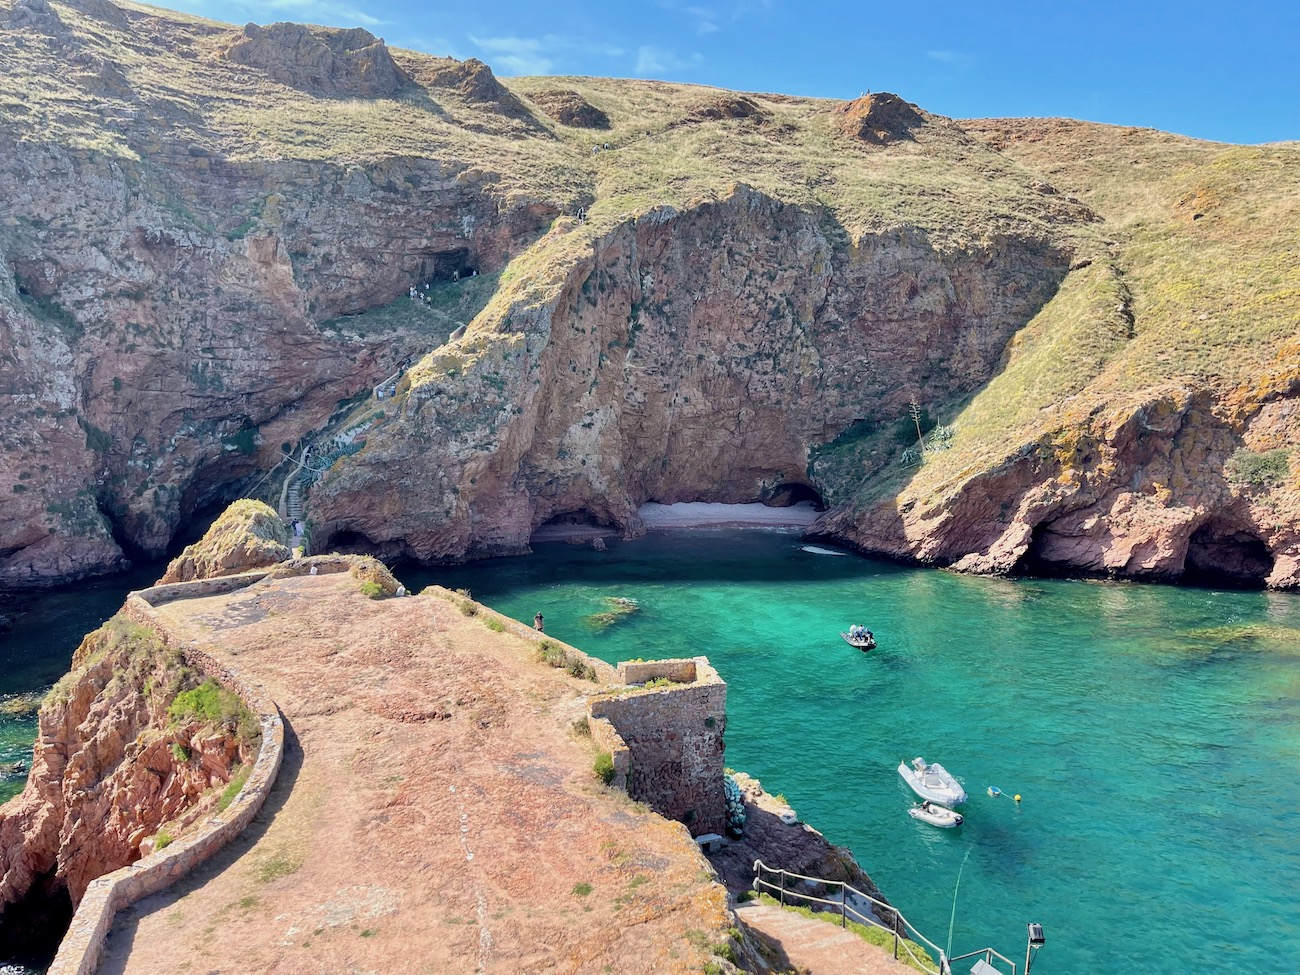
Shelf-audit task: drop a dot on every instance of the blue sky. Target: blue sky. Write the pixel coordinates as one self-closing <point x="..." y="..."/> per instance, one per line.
<point x="1226" y="70"/>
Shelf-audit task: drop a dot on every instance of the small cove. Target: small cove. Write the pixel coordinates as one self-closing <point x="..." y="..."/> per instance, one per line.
<point x="1152" y="731"/>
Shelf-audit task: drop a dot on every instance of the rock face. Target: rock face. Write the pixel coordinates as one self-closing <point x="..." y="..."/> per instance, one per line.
<point x="111" y="766"/>
<point x="248" y="535"/>
<point x="320" y="60"/>
<point x="204" y="284"/>
<point x="168" y="328"/>
<point x="879" y="118"/>
<point x="569" y="108"/>
<point x="711" y="381"/>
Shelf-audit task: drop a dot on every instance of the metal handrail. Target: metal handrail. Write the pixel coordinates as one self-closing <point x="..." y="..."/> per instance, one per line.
<point x="845" y="910"/>
<point x="988" y="954"/>
<point x="899" y="925"/>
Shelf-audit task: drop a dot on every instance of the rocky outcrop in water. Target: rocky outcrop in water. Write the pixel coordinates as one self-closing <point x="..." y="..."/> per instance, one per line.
<point x="112" y="765"/>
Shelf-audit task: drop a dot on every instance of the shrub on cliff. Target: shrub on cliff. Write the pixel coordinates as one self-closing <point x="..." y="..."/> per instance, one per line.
<point x="212" y="704"/>
<point x="603" y="766"/>
<point x="1267" y="469"/>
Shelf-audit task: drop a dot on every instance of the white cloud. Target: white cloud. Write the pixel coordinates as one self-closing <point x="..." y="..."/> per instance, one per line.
<point x="548" y="54"/>
<point x="657" y="60"/>
<point x="706" y="19"/>
<point x="327" y="13"/>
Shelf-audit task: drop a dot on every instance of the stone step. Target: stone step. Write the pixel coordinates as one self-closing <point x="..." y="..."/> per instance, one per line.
<point x="819" y="947"/>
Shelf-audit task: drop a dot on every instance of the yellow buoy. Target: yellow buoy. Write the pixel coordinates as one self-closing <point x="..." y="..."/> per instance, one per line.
<point x="1017" y="797"/>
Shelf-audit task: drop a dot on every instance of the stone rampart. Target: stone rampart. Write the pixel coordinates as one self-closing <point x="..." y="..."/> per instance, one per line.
<point x="605" y="673"/>
<point x="81" y="947"/>
<point x="670" y="738"/>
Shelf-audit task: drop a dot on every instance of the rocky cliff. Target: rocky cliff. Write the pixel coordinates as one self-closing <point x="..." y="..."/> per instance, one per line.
<point x="741" y="298"/>
<point x="127" y="743"/>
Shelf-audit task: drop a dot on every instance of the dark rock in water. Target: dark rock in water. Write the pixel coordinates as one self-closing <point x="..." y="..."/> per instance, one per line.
<point x="598" y="544"/>
<point x="320" y="60"/>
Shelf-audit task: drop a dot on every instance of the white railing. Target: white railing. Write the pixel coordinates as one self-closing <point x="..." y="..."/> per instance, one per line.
<point x="905" y="935"/>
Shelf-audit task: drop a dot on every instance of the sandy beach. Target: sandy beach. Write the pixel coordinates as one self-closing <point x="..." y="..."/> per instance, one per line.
<point x="701" y="514"/>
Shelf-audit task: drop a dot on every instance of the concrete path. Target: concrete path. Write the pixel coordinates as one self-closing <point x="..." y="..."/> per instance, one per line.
<point x="818" y="947"/>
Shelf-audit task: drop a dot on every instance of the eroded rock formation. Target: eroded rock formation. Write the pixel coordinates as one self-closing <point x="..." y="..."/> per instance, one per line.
<point x="112" y="765"/>
<point x="197" y="289"/>
<point x="320" y="60"/>
<point x="248" y="535"/>
<point x="695" y="356"/>
<point x="569" y="108"/>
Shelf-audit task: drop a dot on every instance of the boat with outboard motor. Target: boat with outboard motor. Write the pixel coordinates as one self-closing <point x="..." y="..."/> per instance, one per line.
<point x="933" y="783"/>
<point x="859" y="636"/>
<point x="935" y="815"/>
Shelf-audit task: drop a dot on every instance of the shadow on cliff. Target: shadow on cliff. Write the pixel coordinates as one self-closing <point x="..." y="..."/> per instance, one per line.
<point x="117" y="950"/>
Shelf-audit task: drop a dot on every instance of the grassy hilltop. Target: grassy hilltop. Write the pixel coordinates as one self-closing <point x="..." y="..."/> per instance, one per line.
<point x="1182" y="296"/>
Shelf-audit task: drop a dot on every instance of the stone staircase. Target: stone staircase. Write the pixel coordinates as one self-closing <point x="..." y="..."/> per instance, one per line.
<point x="818" y="947"/>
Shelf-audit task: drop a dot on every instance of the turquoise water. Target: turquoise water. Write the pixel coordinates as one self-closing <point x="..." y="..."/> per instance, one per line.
<point x="1151" y="730"/>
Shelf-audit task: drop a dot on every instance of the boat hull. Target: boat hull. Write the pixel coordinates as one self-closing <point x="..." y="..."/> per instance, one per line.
<point x="943" y="818"/>
<point x="863" y="643"/>
<point x="933" y="783"/>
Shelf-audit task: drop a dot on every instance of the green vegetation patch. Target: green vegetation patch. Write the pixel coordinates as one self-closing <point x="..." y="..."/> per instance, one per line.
<point x="233" y="788"/>
<point x="603" y="766"/>
<point x="212" y="704"/>
<point x="1267" y="469"/>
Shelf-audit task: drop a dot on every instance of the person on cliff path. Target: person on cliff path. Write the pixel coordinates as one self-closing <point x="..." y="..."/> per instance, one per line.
<point x="537" y="623"/>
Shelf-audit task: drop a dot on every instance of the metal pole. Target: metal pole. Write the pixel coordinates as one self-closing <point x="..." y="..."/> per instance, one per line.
<point x="844" y="905"/>
<point x="783" y="887"/>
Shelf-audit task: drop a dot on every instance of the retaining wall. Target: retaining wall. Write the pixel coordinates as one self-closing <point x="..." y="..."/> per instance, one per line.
<point x="80" y="950"/>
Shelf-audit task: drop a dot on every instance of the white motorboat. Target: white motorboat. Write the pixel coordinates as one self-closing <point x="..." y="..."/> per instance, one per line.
<point x="928" y="812"/>
<point x="932" y="783"/>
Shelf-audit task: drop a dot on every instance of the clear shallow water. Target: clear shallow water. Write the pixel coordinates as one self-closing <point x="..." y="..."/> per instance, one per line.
<point x="1151" y="730"/>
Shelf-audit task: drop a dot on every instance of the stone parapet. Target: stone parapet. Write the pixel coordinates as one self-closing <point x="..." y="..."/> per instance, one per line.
<point x="81" y="947"/>
<point x="671" y="738"/>
<point x="605" y="673"/>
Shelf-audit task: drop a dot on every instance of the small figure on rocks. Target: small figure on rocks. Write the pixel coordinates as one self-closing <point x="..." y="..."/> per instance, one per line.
<point x="537" y="623"/>
<point x="313" y="570"/>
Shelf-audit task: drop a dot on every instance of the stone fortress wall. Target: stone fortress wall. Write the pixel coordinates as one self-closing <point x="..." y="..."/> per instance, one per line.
<point x="80" y="950"/>
<point x="666" y="741"/>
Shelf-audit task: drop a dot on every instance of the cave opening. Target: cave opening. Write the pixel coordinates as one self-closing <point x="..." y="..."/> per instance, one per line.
<point x="1223" y="554"/>
<point x="581" y="524"/>
<point x="348" y="542"/>
<point x="32" y="926"/>
<point x="451" y="266"/>
<point x="792" y="493"/>
<point x="1036" y="563"/>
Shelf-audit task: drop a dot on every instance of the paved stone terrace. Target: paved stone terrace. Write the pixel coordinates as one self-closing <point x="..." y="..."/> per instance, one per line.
<point x="435" y="811"/>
